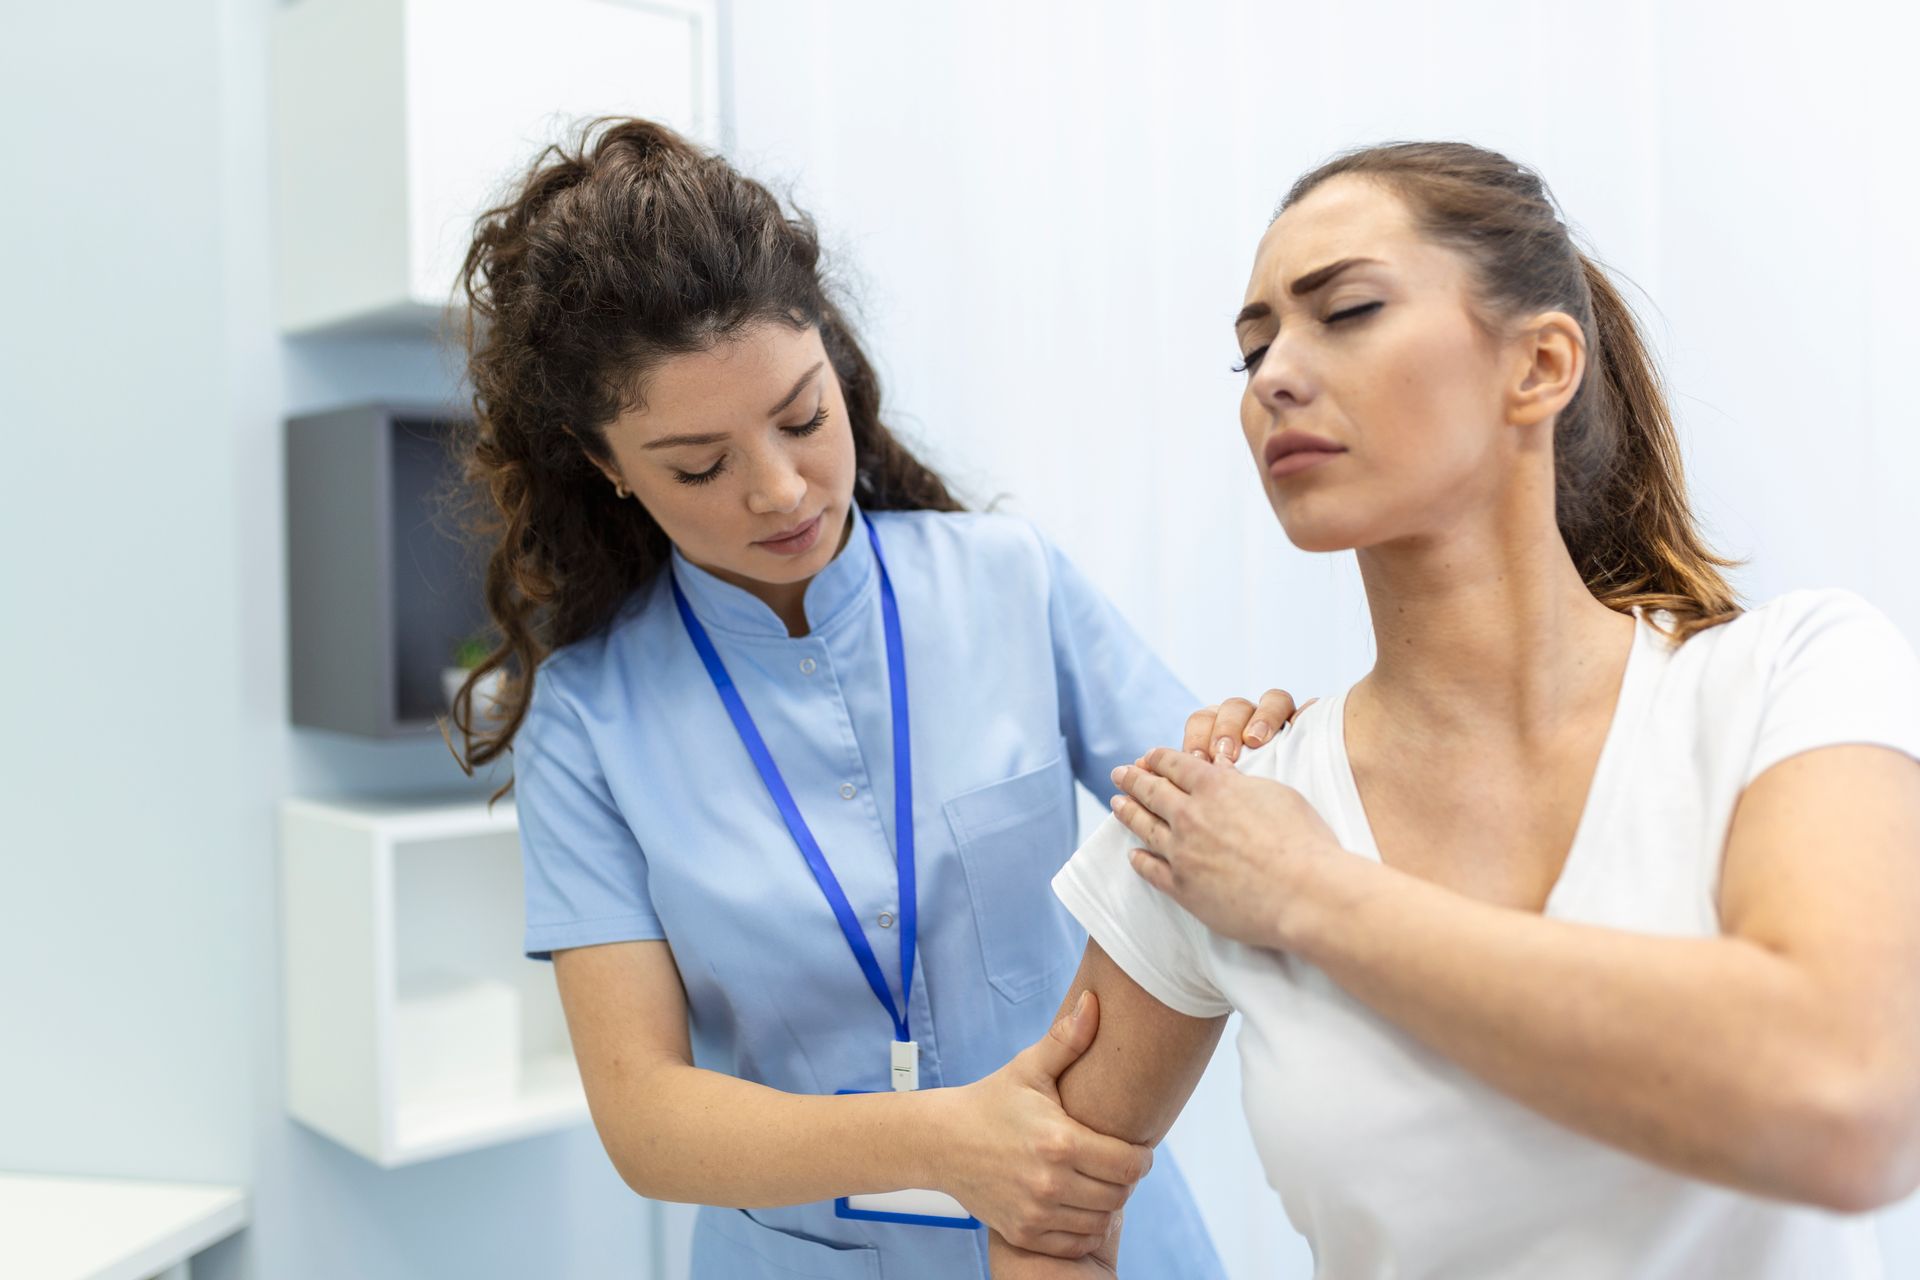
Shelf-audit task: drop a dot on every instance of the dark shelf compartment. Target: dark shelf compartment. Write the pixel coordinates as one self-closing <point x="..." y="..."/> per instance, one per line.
<point x="379" y="594"/>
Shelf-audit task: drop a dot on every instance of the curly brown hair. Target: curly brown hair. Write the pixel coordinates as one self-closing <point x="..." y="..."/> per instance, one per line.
<point x="620" y="249"/>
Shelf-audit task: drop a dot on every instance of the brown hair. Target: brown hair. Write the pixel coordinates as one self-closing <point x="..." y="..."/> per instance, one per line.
<point x="623" y="248"/>
<point x="1620" y="497"/>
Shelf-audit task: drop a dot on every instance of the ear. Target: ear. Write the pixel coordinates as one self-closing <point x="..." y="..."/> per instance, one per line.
<point x="1550" y="359"/>
<point x="606" y="469"/>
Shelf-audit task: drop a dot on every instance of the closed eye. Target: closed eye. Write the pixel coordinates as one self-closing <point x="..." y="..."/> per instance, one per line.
<point x="702" y="477"/>
<point x="808" y="427"/>
<point x="1354" y="313"/>
<point x="713" y="472"/>
<point x="1251" y="360"/>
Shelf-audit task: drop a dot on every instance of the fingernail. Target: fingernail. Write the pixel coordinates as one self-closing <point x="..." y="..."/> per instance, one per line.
<point x="1223" y="749"/>
<point x="1258" y="730"/>
<point x="1115" y="775"/>
<point x="1116" y="802"/>
<point x="1079" y="1006"/>
<point x="1198" y="752"/>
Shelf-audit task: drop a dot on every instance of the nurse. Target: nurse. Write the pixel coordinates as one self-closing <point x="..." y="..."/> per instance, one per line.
<point x="798" y="758"/>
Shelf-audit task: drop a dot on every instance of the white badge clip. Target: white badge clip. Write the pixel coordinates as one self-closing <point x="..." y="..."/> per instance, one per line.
<point x="906" y="1066"/>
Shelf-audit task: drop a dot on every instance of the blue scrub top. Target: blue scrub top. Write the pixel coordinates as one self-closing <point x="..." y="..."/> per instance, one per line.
<point x="642" y="817"/>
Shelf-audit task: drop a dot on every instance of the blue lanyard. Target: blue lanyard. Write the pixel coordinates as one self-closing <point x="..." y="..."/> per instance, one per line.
<point x="797" y="825"/>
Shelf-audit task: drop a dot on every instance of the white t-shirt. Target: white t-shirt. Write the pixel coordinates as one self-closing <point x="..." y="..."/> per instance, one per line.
<point x="1393" y="1161"/>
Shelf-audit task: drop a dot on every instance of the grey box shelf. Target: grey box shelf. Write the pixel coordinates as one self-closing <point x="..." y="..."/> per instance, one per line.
<point x="379" y="594"/>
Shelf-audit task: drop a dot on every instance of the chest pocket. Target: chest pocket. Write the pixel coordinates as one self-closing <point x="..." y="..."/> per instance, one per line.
<point x="1012" y="836"/>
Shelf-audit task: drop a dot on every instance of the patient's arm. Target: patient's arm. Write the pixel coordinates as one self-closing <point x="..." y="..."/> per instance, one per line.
<point x="1131" y="1084"/>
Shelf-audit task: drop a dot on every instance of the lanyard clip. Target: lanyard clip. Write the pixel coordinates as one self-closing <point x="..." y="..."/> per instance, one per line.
<point x="906" y="1066"/>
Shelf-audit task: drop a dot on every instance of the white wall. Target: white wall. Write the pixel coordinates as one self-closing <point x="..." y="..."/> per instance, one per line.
<point x="147" y="743"/>
<point x="1051" y="210"/>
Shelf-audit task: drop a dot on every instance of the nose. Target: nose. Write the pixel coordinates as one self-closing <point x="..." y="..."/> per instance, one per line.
<point x="1280" y="383"/>
<point x="778" y="487"/>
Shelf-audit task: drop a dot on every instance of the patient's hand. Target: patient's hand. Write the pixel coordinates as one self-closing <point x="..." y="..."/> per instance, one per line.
<point x="1248" y="857"/>
<point x="1219" y="732"/>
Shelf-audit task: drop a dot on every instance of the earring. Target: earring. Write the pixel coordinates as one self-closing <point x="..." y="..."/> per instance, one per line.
<point x="621" y="491"/>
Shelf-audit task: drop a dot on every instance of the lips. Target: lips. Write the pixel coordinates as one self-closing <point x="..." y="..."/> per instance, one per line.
<point x="796" y="540"/>
<point x="1294" y="451"/>
<point x="790" y="534"/>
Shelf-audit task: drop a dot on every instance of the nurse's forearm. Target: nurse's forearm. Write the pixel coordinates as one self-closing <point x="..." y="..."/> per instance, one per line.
<point x="684" y="1134"/>
<point x="1714" y="1057"/>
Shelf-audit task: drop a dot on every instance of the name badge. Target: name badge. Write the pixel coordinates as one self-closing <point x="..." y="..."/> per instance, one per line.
<point x="914" y="1207"/>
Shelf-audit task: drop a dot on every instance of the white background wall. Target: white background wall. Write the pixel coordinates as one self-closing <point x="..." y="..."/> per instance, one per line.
<point x="1048" y="210"/>
<point x="144" y="388"/>
<point x="1051" y="210"/>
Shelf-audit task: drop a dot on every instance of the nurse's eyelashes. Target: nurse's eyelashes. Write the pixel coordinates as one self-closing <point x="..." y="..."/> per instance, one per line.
<point x="799" y="432"/>
<point x="699" y="477"/>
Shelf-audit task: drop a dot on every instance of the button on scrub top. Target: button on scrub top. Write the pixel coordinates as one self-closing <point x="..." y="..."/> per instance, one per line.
<point x="642" y="817"/>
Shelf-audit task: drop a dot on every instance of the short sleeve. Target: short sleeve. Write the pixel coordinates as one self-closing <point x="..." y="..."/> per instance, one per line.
<point x="1150" y="936"/>
<point x="1841" y="673"/>
<point x="586" y="877"/>
<point x="1118" y="700"/>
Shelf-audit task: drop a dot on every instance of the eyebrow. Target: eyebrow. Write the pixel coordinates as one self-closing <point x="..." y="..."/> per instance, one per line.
<point x="1319" y="278"/>
<point x="715" y="437"/>
<point x="798" y="387"/>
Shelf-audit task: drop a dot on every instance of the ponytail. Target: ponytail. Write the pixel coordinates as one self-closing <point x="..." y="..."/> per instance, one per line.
<point x="1631" y="535"/>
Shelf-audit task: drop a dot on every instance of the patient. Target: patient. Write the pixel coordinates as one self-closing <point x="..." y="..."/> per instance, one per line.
<point x="1579" y="938"/>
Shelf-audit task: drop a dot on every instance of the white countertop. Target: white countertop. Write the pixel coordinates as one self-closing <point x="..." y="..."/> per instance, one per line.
<point x="67" y="1228"/>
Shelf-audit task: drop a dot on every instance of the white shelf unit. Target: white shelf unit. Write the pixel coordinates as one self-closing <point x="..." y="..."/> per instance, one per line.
<point x="396" y="122"/>
<point x="401" y="924"/>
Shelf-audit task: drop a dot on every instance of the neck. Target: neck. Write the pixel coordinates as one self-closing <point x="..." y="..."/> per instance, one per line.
<point x="788" y="600"/>
<point x="1489" y="626"/>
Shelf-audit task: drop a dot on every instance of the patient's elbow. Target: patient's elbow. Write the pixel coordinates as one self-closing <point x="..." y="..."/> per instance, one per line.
<point x="1863" y="1152"/>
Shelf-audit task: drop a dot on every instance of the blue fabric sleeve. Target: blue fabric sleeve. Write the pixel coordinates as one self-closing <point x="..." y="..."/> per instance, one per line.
<point x="1118" y="700"/>
<point x="586" y="876"/>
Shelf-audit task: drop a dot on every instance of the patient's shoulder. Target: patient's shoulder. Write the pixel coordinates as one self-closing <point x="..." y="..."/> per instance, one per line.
<point x="1306" y="750"/>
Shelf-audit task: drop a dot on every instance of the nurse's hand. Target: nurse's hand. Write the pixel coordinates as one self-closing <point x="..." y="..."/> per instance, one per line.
<point x="1022" y="1165"/>
<point x="1004" y="1262"/>
<point x="1220" y="731"/>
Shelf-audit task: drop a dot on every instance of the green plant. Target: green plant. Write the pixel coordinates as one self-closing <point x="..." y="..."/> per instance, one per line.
<point x="472" y="651"/>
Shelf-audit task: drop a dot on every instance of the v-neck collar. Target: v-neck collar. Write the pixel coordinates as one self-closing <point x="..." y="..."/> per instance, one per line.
<point x="1627" y="711"/>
